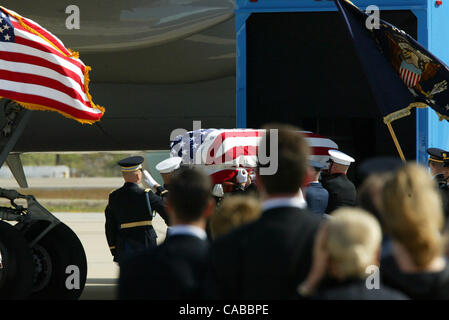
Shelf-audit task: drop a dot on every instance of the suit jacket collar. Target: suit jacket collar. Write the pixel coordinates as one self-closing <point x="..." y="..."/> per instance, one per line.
<point x="187" y="230"/>
<point x="295" y="202"/>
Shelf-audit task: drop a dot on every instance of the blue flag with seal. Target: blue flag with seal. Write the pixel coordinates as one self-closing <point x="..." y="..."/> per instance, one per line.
<point x="402" y="74"/>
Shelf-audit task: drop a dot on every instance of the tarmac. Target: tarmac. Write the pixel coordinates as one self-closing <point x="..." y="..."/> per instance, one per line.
<point x="113" y="183"/>
<point x="102" y="272"/>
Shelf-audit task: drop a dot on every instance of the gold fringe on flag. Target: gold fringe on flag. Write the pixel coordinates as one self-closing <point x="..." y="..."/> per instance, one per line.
<point x="73" y="55"/>
<point x="401" y="114"/>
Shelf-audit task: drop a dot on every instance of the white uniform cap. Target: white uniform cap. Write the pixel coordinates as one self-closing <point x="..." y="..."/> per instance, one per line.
<point x="218" y="191"/>
<point x="242" y="176"/>
<point x="340" y="157"/>
<point x="169" y="165"/>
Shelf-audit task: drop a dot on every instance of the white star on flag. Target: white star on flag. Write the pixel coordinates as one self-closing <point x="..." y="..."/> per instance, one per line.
<point x="40" y="73"/>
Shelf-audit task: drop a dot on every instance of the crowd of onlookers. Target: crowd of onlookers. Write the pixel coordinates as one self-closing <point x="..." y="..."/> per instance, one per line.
<point x="385" y="241"/>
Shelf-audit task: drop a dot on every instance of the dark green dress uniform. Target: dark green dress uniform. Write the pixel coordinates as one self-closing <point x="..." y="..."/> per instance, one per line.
<point x="129" y="215"/>
<point x="342" y="192"/>
<point x="129" y="219"/>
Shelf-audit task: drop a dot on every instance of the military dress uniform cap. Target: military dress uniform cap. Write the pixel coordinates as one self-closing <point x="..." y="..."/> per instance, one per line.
<point x="316" y="164"/>
<point x="438" y="155"/>
<point x="340" y="157"/>
<point x="131" y="164"/>
<point x="169" y="165"/>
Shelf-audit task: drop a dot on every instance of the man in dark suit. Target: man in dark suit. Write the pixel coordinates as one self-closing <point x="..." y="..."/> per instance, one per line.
<point x="268" y="258"/>
<point x="174" y="269"/>
<point x="342" y="191"/>
<point x="316" y="196"/>
<point x="129" y="213"/>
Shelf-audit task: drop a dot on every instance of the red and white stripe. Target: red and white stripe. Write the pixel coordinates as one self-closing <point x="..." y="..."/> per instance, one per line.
<point x="41" y="71"/>
<point x="231" y="148"/>
<point x="319" y="147"/>
<point x="219" y="175"/>
<point x="410" y="78"/>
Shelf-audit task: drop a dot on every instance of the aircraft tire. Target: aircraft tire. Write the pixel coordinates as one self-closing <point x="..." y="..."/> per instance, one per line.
<point x="16" y="276"/>
<point x="60" y="262"/>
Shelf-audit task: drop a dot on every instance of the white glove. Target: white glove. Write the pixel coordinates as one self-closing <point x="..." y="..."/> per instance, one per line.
<point x="218" y="191"/>
<point x="242" y="176"/>
<point x="148" y="179"/>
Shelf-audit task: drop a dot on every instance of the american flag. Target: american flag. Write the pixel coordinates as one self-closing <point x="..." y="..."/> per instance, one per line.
<point x="40" y="73"/>
<point x="220" y="150"/>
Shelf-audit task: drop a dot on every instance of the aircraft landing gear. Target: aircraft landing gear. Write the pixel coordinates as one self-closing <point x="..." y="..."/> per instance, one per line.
<point x="42" y="258"/>
<point x="16" y="274"/>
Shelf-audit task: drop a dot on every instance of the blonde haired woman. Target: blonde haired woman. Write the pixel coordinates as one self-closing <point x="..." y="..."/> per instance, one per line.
<point x="233" y="212"/>
<point x="413" y="216"/>
<point x="347" y="250"/>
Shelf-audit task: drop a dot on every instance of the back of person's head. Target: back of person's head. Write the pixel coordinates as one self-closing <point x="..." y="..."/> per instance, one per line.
<point x="133" y="176"/>
<point x="377" y="166"/>
<point x="338" y="168"/>
<point x="353" y="242"/>
<point x="293" y="152"/>
<point x="189" y="194"/>
<point x="234" y="211"/>
<point x="369" y="195"/>
<point x="413" y="213"/>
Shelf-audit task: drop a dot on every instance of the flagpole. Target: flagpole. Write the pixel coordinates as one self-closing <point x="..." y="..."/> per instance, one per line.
<point x="396" y="142"/>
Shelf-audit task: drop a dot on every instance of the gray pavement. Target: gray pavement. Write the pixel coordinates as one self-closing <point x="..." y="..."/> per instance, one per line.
<point x="53" y="183"/>
<point x="102" y="272"/>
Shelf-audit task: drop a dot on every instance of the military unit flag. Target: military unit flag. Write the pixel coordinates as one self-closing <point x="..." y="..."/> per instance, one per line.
<point x="402" y="73"/>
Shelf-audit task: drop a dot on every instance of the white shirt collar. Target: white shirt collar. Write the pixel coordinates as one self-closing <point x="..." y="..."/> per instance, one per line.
<point x="297" y="201"/>
<point x="185" y="229"/>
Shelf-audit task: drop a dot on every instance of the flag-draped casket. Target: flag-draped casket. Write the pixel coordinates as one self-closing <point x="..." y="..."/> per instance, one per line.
<point x="220" y="151"/>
